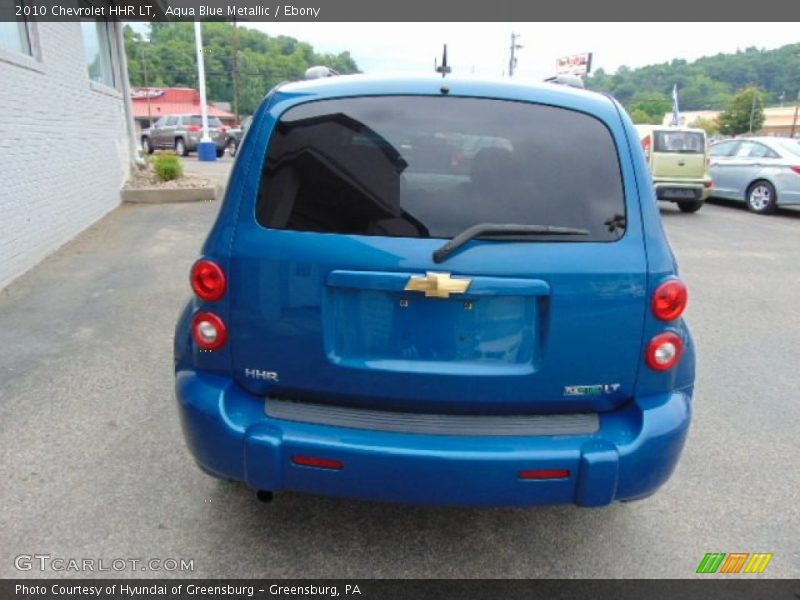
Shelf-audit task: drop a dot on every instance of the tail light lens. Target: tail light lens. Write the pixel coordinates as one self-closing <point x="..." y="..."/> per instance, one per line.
<point x="209" y="331"/>
<point x="796" y="169"/>
<point x="194" y="128"/>
<point x="709" y="184"/>
<point x="669" y="300"/>
<point x="664" y="351"/>
<point x="646" y="147"/>
<point x="208" y="280"/>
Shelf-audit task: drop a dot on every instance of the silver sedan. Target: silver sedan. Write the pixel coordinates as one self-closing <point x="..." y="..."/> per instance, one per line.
<point x="764" y="172"/>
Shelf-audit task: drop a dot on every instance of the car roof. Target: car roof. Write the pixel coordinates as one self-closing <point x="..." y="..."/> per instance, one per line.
<point x="765" y="139"/>
<point x="647" y="128"/>
<point x="431" y="84"/>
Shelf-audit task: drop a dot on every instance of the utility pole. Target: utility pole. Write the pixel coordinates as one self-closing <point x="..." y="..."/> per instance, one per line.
<point x="512" y="61"/>
<point x="236" y="71"/>
<point x="147" y="88"/>
<point x="794" y="121"/>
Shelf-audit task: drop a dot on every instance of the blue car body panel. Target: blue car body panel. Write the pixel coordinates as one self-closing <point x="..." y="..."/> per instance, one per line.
<point x="320" y="310"/>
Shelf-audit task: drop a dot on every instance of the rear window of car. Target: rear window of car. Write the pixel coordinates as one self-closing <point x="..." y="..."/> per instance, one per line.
<point x="791" y="146"/>
<point x="198" y="120"/>
<point x="418" y="166"/>
<point x="689" y="142"/>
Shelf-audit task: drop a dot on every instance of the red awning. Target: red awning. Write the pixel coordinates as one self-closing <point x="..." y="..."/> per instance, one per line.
<point x="157" y="102"/>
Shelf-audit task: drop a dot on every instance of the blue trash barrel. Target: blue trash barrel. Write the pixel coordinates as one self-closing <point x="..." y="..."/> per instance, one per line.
<point x="206" y="151"/>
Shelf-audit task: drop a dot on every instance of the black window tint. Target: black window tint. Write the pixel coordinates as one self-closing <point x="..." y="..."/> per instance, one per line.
<point x="433" y="166"/>
<point x="691" y="142"/>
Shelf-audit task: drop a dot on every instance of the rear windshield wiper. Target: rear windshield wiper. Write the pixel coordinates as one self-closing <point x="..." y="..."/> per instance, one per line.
<point x="510" y="229"/>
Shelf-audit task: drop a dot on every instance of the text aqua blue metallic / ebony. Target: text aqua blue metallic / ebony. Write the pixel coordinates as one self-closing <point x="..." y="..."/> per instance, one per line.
<point x="438" y="291"/>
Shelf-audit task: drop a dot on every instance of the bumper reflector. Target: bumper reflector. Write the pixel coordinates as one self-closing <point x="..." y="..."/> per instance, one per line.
<point x="544" y="474"/>
<point x="319" y="463"/>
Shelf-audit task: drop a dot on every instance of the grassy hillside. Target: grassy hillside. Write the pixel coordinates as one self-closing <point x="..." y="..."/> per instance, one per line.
<point x="707" y="83"/>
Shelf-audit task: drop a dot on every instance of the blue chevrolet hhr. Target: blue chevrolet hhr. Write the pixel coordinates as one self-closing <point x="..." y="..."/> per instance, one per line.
<point x="438" y="291"/>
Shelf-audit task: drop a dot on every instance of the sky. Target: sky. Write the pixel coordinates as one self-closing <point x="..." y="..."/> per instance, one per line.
<point x="483" y="48"/>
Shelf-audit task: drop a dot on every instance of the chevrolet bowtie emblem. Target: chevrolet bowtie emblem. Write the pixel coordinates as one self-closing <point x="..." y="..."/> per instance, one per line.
<point x="437" y="285"/>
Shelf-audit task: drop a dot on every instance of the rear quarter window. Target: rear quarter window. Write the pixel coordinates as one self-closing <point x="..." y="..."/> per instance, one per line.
<point x="790" y="146"/>
<point x="418" y="166"/>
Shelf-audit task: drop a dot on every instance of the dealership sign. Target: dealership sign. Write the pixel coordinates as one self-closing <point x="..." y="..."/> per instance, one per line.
<point x="577" y="64"/>
<point x="144" y="93"/>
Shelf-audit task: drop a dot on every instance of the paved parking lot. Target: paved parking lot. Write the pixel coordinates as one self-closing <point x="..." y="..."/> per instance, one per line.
<point x="94" y="464"/>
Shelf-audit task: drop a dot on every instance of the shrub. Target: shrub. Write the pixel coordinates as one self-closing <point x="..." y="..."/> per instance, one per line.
<point x="167" y="167"/>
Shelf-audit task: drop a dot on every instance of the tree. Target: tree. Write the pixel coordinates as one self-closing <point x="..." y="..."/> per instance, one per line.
<point x="652" y="104"/>
<point x="263" y="61"/>
<point x="708" y="82"/>
<point x="640" y="117"/>
<point x="711" y="126"/>
<point x="745" y="113"/>
<point x="701" y="92"/>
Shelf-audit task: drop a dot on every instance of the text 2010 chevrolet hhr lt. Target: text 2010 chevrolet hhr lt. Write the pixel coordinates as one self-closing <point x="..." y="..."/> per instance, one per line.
<point x="438" y="291"/>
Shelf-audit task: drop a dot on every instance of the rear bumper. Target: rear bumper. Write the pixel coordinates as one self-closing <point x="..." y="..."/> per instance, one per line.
<point x="664" y="187"/>
<point x="193" y="139"/>
<point x="633" y="453"/>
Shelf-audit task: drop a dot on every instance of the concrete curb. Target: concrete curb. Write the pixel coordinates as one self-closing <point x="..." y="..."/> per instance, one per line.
<point x="162" y="196"/>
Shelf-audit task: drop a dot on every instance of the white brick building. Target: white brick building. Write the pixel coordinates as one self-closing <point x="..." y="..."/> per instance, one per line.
<point x="65" y="135"/>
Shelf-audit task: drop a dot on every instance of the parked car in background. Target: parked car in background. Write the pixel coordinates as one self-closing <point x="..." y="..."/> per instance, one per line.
<point x="384" y="325"/>
<point x="764" y="172"/>
<point x="678" y="161"/>
<point x="182" y="133"/>
<point x="235" y="136"/>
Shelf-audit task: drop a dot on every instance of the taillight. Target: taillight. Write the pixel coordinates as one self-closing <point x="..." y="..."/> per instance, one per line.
<point x="669" y="300"/>
<point x="709" y="184"/>
<point x="796" y="169"/>
<point x="194" y="128"/>
<point x="664" y="351"/>
<point x="208" y="280"/>
<point x="209" y="331"/>
<point x="646" y="147"/>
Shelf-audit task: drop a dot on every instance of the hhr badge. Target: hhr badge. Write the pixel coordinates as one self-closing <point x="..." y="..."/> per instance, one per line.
<point x="591" y="390"/>
<point x="262" y="375"/>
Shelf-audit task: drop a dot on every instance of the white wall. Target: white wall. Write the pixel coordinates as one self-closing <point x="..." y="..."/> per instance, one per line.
<point x="64" y="152"/>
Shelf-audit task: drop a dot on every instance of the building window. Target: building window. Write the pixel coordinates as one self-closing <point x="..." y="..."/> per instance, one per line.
<point x="101" y="51"/>
<point x="16" y="37"/>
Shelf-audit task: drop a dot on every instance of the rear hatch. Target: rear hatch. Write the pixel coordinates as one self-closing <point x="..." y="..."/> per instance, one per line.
<point x="214" y="124"/>
<point x="336" y="296"/>
<point x="678" y="154"/>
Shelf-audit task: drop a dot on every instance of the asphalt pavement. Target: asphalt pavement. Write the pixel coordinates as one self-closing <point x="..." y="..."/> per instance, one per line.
<point x="94" y="465"/>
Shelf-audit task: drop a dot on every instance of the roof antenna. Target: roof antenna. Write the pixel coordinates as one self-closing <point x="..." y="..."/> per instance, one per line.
<point x="444" y="68"/>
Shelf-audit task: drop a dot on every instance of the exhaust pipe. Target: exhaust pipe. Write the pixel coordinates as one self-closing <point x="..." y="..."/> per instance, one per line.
<point x="264" y="496"/>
